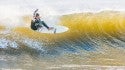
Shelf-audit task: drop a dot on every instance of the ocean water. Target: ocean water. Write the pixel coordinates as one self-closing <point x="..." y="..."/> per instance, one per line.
<point x="95" y="39"/>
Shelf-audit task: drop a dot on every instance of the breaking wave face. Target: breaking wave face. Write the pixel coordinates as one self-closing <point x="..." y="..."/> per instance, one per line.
<point x="87" y="32"/>
<point x="90" y="36"/>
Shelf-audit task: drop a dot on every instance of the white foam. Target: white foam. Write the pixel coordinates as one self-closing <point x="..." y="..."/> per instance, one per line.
<point x="99" y="67"/>
<point x="33" y="44"/>
<point x="10" y="69"/>
<point x="4" y="43"/>
<point x="10" y="16"/>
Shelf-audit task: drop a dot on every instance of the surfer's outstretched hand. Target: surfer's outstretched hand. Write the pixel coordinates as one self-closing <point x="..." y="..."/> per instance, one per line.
<point x="50" y="28"/>
<point x="36" y="10"/>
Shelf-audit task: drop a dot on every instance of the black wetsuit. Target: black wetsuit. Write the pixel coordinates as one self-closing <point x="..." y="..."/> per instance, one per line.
<point x="35" y="25"/>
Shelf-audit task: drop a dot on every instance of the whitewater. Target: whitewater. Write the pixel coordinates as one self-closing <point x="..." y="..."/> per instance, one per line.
<point x="95" y="39"/>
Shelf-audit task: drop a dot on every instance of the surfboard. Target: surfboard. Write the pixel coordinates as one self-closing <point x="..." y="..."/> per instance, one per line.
<point x="56" y="29"/>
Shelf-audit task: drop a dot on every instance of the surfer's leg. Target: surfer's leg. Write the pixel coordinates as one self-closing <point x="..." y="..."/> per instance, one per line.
<point x="44" y="24"/>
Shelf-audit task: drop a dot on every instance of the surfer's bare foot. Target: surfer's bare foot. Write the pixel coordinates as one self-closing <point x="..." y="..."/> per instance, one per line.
<point x="50" y="28"/>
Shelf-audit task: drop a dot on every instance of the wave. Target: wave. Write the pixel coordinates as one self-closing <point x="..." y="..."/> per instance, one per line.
<point x="88" y="33"/>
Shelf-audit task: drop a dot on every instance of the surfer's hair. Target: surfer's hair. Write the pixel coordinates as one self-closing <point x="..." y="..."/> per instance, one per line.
<point x="37" y="14"/>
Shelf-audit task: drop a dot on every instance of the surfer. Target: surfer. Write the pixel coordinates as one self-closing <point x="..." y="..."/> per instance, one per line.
<point x="37" y="23"/>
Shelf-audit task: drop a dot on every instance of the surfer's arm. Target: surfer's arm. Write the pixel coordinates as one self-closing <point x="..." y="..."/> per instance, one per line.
<point x="34" y="13"/>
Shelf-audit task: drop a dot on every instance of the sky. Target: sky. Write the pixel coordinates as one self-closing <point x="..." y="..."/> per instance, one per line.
<point x="11" y="10"/>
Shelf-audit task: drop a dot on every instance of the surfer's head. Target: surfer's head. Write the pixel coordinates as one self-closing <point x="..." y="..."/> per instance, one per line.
<point x="37" y="14"/>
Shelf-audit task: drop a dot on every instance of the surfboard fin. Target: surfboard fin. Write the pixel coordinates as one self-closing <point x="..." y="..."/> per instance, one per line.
<point x="55" y="31"/>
